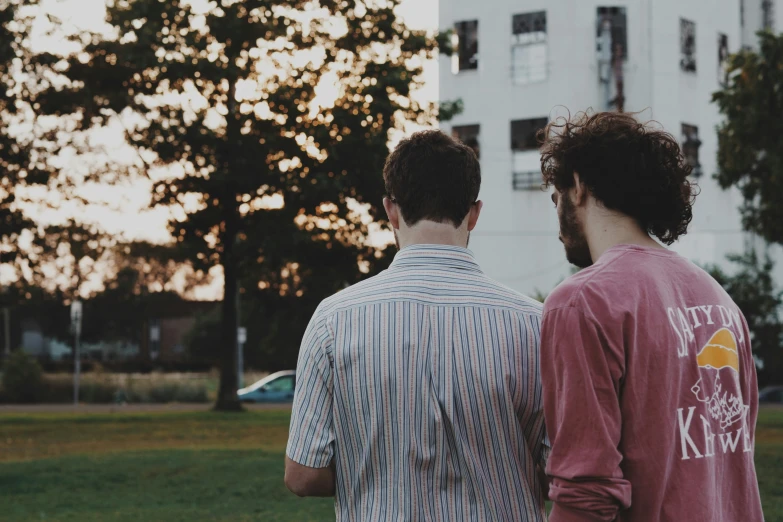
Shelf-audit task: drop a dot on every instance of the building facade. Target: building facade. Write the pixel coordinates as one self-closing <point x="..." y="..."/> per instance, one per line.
<point x="522" y="63"/>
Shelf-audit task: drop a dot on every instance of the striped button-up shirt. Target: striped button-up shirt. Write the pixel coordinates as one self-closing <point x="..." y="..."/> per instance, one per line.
<point x="422" y="384"/>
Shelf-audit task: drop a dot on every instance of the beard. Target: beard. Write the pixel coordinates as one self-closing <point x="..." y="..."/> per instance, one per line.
<point x="572" y="235"/>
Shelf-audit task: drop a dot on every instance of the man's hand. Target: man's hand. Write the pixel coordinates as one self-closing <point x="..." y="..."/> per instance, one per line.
<point x="304" y="481"/>
<point x="543" y="480"/>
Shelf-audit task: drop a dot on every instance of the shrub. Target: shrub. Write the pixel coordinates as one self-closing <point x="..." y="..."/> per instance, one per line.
<point x="162" y="389"/>
<point x="22" y="378"/>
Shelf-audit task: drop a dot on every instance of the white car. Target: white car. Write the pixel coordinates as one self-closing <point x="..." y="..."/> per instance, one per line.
<point x="277" y="387"/>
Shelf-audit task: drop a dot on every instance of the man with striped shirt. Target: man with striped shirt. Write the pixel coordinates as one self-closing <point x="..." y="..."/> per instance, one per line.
<point x="418" y="391"/>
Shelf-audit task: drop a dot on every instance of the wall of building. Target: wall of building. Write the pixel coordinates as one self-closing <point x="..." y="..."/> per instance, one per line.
<point x="516" y="239"/>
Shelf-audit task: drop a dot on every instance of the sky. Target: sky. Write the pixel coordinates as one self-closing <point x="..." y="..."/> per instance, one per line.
<point x="123" y="209"/>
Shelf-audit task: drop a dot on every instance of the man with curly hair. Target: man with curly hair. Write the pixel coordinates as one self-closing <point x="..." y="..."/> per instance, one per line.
<point x="650" y="391"/>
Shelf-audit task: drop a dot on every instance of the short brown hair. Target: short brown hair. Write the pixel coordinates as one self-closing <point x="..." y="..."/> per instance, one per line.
<point x="632" y="167"/>
<point x="432" y="176"/>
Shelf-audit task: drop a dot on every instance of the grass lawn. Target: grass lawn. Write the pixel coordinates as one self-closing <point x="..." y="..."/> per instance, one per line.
<point x="195" y="466"/>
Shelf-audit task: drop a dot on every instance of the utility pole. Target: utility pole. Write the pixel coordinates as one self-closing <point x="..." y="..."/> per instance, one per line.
<point x="7" y="330"/>
<point x="4" y="296"/>
<point x="241" y="339"/>
<point x="76" y="328"/>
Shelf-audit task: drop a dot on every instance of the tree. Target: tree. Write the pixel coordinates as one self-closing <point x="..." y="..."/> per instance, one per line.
<point x="750" y="157"/>
<point x="267" y="123"/>
<point x="16" y="153"/>
<point x="754" y="292"/>
<point x="40" y="259"/>
<point x="750" y="139"/>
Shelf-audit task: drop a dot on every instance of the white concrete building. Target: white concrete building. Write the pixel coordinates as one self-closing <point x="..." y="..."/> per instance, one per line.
<point x="522" y="62"/>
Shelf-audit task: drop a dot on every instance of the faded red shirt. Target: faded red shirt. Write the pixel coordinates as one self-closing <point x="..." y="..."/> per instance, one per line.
<point x="650" y="394"/>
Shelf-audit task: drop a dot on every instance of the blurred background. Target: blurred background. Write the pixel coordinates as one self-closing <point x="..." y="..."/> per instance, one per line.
<point x="183" y="181"/>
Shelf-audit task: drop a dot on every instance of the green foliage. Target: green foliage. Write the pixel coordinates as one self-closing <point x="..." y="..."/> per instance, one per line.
<point x="750" y="140"/>
<point x="227" y="97"/>
<point x="29" y="148"/>
<point x="15" y="151"/>
<point x="22" y="378"/>
<point x="204" y="340"/>
<point x="276" y="326"/>
<point x="755" y="293"/>
<point x="165" y="393"/>
<point x="539" y="296"/>
<point x="449" y="109"/>
<point x="97" y="388"/>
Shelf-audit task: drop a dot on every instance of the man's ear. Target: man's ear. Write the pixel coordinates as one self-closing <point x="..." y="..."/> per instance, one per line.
<point x="392" y="212"/>
<point x="473" y="215"/>
<point x="580" y="192"/>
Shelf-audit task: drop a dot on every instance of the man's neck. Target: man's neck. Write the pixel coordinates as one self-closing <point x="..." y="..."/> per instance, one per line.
<point x="431" y="233"/>
<point x="614" y="231"/>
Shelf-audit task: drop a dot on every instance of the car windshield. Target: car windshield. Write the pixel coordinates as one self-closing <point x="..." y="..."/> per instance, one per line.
<point x="263" y="382"/>
<point x="283" y="384"/>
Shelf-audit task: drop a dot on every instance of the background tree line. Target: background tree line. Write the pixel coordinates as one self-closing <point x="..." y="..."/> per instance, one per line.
<point x="262" y="126"/>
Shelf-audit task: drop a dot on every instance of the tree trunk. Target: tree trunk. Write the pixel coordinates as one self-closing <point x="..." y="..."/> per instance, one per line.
<point x="227" y="399"/>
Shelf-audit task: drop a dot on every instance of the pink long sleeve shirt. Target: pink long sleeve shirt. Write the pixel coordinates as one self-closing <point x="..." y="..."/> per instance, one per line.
<point x="650" y="394"/>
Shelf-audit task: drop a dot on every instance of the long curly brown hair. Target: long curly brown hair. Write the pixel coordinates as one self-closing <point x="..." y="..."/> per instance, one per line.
<point x="632" y="167"/>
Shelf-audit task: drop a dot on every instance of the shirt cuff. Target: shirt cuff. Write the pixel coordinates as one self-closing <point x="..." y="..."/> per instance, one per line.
<point x="564" y="514"/>
<point x="310" y="460"/>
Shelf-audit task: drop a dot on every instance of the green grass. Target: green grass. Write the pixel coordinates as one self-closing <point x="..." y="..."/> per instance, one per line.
<point x="195" y="466"/>
<point x="171" y="485"/>
<point x="769" y="462"/>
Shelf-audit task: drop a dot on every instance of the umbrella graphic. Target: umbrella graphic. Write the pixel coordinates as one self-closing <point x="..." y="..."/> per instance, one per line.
<point x="718" y="354"/>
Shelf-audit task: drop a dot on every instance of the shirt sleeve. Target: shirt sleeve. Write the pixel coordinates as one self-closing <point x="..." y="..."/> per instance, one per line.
<point x="311" y="435"/>
<point x="581" y="376"/>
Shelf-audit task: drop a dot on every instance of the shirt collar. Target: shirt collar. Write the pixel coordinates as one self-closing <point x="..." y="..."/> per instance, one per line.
<point x="436" y="256"/>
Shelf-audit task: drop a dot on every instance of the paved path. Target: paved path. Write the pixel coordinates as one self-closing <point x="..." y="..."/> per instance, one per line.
<point x="127" y="408"/>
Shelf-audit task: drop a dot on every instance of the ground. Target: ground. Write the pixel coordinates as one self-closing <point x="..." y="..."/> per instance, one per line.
<point x="169" y="465"/>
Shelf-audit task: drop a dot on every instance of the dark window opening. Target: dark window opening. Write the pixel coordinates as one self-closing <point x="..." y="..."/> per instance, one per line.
<point x="687" y="45"/>
<point x="690" y="147"/>
<point x="529" y="27"/>
<point x="742" y="13"/>
<point x="617" y="21"/>
<point x="466" y="45"/>
<point x="768" y="14"/>
<point x="723" y="58"/>
<point x="469" y="135"/>
<point x="523" y="133"/>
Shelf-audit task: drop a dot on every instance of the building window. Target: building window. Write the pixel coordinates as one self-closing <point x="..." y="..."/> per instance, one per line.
<point x="469" y="135"/>
<point x="690" y="147"/>
<point x="527" y="180"/>
<point x="523" y="134"/>
<point x="687" y="45"/>
<point x="768" y="14"/>
<point x="526" y="174"/>
<point x="615" y="21"/>
<point x="723" y="58"/>
<point x="528" y="48"/>
<point x="742" y="13"/>
<point x="465" y="41"/>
